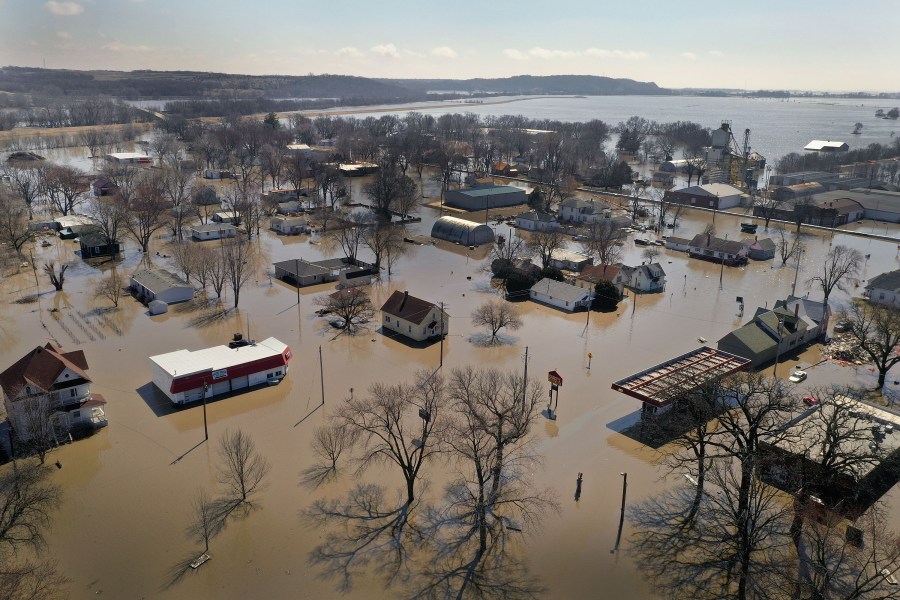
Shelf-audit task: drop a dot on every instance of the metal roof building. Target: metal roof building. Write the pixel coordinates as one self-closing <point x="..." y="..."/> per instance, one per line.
<point x="485" y="197"/>
<point x="826" y="146"/>
<point x="184" y="376"/>
<point x="159" y="284"/>
<point x="460" y="231"/>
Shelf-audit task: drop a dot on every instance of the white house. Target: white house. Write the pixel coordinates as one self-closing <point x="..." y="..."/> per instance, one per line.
<point x="213" y="231"/>
<point x="162" y="285"/>
<point x="678" y="243"/>
<point x="413" y="317"/>
<point x="227" y="216"/>
<point x="644" y="278"/>
<point x="290" y="225"/>
<point x="187" y="376"/>
<point x="50" y="385"/>
<point x="535" y="220"/>
<point x="578" y="210"/>
<point x="569" y="260"/>
<point x="564" y="296"/>
<point x="884" y="289"/>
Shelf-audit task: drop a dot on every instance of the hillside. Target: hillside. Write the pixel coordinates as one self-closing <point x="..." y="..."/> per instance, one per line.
<point x="533" y="84"/>
<point x="192" y="85"/>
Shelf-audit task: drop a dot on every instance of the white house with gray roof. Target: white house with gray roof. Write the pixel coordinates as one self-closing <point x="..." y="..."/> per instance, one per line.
<point x="561" y="295"/>
<point x="579" y="210"/>
<point x="535" y="220"/>
<point x="213" y="231"/>
<point x="162" y="285"/>
<point x="884" y="289"/>
<point x="644" y="278"/>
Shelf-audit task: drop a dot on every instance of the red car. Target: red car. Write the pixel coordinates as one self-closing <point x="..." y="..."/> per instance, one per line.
<point x="810" y="401"/>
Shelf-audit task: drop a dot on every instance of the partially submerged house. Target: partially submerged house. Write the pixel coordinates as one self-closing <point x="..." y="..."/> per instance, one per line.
<point x="569" y="260"/>
<point x="579" y="210"/>
<point x="678" y="243"/>
<point x="707" y="247"/>
<point x="213" y="231"/>
<point x="103" y="186"/>
<point x="760" y="249"/>
<point x="348" y="271"/>
<point x="189" y="376"/>
<point x="413" y="317"/>
<point x="159" y="284"/>
<point x="789" y="325"/>
<point x="461" y="231"/>
<point x="535" y="220"/>
<point x="594" y="274"/>
<point x="290" y="225"/>
<point x="227" y="216"/>
<point x="644" y="278"/>
<point x="49" y="389"/>
<point x="717" y="196"/>
<point x="93" y="243"/>
<point x="884" y="289"/>
<point x="561" y="295"/>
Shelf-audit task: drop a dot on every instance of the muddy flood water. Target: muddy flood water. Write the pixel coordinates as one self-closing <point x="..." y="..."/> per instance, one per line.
<point x="128" y="489"/>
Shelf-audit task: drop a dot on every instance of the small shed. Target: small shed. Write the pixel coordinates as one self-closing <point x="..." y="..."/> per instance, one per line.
<point x="461" y="231"/>
<point x="159" y="284"/>
<point x="290" y="225"/>
<point x="564" y="296"/>
<point x="227" y="216"/>
<point x="158" y="307"/>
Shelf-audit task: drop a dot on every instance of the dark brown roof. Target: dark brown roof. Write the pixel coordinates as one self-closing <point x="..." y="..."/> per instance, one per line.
<point x="597" y="273"/>
<point x="406" y="307"/>
<point x="41" y="367"/>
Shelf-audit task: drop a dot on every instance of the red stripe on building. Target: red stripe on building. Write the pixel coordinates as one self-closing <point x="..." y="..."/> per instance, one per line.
<point x="197" y="380"/>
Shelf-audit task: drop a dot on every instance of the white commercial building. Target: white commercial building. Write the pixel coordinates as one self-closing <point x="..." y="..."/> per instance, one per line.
<point x="185" y="376"/>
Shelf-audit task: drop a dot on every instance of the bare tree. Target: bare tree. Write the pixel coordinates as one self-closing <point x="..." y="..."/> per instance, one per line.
<point x="146" y="213"/>
<point x="243" y="469"/>
<point x="840" y="264"/>
<point x="56" y="278"/>
<point x="35" y="423"/>
<point x="26" y="182"/>
<point x="27" y="501"/>
<point x="496" y="315"/>
<point x="14" y="229"/>
<point x="239" y="261"/>
<point x="110" y="288"/>
<point x="391" y="190"/>
<point x="349" y="232"/>
<point x="383" y="239"/>
<point x="876" y="329"/>
<point x="175" y="184"/>
<point x="787" y="248"/>
<point x="603" y="240"/>
<point x="110" y="216"/>
<point x="544" y="243"/>
<point x="64" y="187"/>
<point x="330" y="441"/>
<point x="352" y="305"/>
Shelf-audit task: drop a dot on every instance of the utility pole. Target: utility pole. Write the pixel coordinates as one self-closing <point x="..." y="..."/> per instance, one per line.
<point x="797" y="272"/>
<point x="777" y="348"/>
<point x="633" y="302"/>
<point x="442" y="335"/>
<point x="37" y="287"/>
<point x="722" y="269"/>
<point x="297" y="277"/>
<point x="622" y="513"/>
<point x="322" y="374"/>
<point x="205" y="429"/>
<point x="525" y="382"/>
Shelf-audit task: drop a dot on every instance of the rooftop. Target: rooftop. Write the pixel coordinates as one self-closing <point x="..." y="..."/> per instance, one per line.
<point x="885" y="281"/>
<point x="661" y="384"/>
<point x="213" y="227"/>
<point x="560" y="290"/>
<point x="158" y="280"/>
<point x="187" y="362"/>
<point x="406" y="307"/>
<point x="41" y="367"/>
<point x="491" y="190"/>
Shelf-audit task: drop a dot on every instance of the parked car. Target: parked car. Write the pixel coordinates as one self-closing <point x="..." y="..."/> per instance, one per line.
<point x="797" y="376"/>
<point x="810" y="401"/>
<point x="842" y="326"/>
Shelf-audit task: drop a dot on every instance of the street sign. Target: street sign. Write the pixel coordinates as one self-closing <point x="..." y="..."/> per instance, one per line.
<point x="555" y="378"/>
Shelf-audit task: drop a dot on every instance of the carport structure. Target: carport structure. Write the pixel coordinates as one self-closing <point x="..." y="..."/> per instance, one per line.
<point x="659" y="386"/>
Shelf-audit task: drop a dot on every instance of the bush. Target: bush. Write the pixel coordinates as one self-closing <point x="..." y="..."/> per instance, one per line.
<point x="518" y="284"/>
<point x="606" y="296"/>
<point x="553" y="273"/>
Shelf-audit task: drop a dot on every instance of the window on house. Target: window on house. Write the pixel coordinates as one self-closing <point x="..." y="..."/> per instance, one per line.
<point x="387" y="319"/>
<point x="96" y="249"/>
<point x="76" y="414"/>
<point x="410" y="328"/>
<point x="73" y="391"/>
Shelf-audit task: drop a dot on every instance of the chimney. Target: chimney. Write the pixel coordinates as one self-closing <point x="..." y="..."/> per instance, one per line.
<point x="403" y="302"/>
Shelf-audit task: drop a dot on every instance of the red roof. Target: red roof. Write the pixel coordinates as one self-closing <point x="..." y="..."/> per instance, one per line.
<point x="41" y="367"/>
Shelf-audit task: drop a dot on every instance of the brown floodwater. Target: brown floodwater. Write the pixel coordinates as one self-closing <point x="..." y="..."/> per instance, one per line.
<point x="128" y="489"/>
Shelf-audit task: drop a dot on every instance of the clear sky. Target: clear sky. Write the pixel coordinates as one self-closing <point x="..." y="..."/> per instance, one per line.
<point x="784" y="44"/>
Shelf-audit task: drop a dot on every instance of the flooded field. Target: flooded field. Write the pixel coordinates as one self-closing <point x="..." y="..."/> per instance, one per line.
<point x="128" y="489"/>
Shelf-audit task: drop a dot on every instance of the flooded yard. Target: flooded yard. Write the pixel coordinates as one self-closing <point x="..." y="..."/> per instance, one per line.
<point x="128" y="488"/>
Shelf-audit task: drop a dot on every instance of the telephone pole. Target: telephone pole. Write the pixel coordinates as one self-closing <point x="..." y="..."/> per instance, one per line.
<point x="322" y="374"/>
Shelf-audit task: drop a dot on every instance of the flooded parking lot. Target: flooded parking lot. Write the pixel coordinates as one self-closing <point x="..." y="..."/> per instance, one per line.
<point x="128" y="488"/>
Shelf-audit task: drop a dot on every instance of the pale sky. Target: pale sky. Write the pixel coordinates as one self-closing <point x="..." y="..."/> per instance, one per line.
<point x="784" y="44"/>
